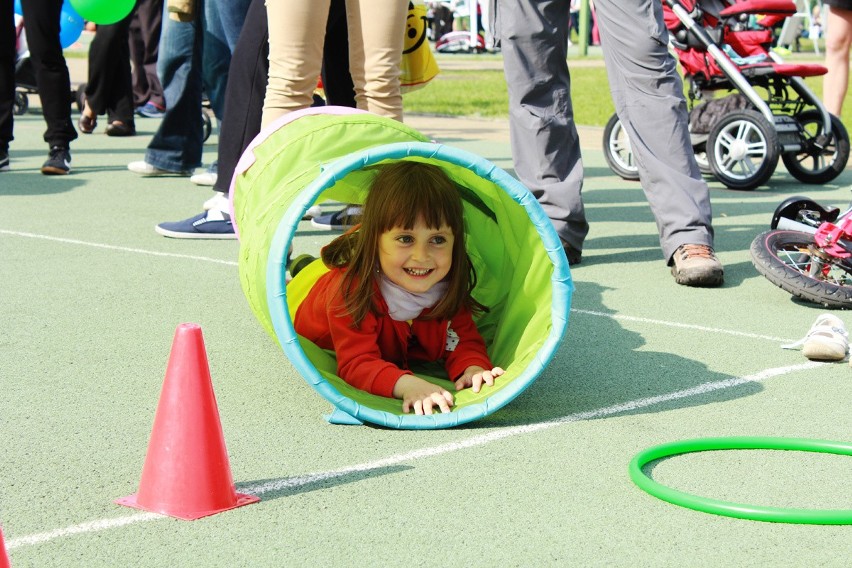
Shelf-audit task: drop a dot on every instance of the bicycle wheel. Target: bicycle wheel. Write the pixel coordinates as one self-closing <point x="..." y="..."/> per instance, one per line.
<point x="820" y="160"/>
<point x="792" y="261"/>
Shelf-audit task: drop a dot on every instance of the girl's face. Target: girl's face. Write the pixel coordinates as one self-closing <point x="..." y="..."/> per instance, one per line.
<point x="418" y="258"/>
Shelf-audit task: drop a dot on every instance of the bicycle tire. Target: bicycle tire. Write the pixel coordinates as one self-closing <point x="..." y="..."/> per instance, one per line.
<point x="785" y="258"/>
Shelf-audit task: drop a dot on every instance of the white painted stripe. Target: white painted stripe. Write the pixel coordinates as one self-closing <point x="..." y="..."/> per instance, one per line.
<point x="118" y="248"/>
<point x="295" y="482"/>
<point x="91" y="526"/>
<point x="232" y="263"/>
<point x="683" y="325"/>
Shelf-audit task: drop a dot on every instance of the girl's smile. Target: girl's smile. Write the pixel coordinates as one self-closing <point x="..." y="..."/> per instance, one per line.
<point x="418" y="258"/>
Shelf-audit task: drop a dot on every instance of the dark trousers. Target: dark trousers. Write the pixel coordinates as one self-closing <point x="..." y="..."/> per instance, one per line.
<point x="144" y="41"/>
<point x="7" y="73"/>
<point x="41" y="21"/>
<point x="110" y="89"/>
<point x="247" y="78"/>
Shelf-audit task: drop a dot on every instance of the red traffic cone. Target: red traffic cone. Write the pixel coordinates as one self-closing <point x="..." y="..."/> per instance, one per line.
<point x="186" y="472"/>
<point x="4" y="558"/>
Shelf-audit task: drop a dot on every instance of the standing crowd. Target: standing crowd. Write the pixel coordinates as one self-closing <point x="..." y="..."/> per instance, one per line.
<point x="258" y="60"/>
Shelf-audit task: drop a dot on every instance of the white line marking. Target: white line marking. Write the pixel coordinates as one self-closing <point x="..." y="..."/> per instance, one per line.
<point x="91" y="526"/>
<point x="114" y="247"/>
<point x="681" y="325"/>
<point x="295" y="482"/>
<point x="232" y="263"/>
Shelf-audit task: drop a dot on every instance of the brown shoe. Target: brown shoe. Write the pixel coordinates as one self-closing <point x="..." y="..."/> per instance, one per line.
<point x="697" y="265"/>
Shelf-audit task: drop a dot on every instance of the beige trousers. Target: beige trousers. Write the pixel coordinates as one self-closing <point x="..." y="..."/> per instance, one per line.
<point x="296" y="36"/>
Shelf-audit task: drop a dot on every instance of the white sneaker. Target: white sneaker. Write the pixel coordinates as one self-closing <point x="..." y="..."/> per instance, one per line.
<point x="313" y="211"/>
<point x="143" y="168"/>
<point x="218" y="201"/>
<point x="204" y="178"/>
<point x="827" y="340"/>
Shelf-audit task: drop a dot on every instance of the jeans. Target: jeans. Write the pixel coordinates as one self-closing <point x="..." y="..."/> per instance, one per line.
<point x="192" y="54"/>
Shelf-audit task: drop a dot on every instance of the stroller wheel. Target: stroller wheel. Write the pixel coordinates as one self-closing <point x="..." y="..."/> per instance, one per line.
<point x="22" y="103"/>
<point x="742" y="149"/>
<point x="617" y="151"/>
<point x="206" y="117"/>
<point x="821" y="158"/>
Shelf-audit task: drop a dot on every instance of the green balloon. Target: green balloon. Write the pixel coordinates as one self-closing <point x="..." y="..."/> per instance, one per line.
<point x="103" y="12"/>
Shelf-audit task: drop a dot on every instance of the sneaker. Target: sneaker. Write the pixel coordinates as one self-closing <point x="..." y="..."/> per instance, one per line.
<point x="151" y="110"/>
<point x="214" y="224"/>
<point x="4" y="160"/>
<point x="340" y="221"/>
<point x="312" y="212"/>
<point x="207" y="177"/>
<point x="58" y="162"/>
<point x="143" y="168"/>
<point x="697" y="265"/>
<point x="218" y="201"/>
<point x="827" y="340"/>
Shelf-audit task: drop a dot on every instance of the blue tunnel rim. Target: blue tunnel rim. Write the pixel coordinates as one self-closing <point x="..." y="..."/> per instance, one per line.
<point x="277" y="293"/>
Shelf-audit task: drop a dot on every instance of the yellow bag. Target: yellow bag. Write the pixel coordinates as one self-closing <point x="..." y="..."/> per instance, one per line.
<point x="418" y="64"/>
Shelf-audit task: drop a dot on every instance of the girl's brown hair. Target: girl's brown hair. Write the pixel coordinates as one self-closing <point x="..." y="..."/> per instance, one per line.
<point x="401" y="193"/>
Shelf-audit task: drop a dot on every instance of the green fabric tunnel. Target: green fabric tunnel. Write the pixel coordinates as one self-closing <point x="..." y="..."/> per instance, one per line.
<point x="331" y="154"/>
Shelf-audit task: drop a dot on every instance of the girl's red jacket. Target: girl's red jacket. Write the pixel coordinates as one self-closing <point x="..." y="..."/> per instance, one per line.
<point x="374" y="355"/>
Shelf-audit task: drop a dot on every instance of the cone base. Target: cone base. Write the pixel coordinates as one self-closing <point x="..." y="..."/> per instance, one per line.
<point x="241" y="499"/>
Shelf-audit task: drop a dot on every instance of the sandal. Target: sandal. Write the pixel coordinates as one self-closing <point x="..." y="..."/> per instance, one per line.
<point x="827" y="340"/>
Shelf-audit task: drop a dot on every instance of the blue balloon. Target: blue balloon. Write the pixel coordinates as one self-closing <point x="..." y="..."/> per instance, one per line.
<point x="18" y="10"/>
<point x="70" y="25"/>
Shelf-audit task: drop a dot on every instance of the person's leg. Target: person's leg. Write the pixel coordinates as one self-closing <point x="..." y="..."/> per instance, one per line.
<point x="52" y="79"/>
<point x="120" y="108"/>
<point x="336" y="79"/>
<point x="136" y="41"/>
<point x="648" y="95"/>
<point x="145" y="34"/>
<point x="838" y="40"/>
<point x="7" y="80"/>
<point x="177" y="144"/>
<point x="376" y="37"/>
<point x="244" y="94"/>
<point x="109" y="88"/>
<point x="543" y="133"/>
<point x="232" y="16"/>
<point x="216" y="57"/>
<point x="295" y="54"/>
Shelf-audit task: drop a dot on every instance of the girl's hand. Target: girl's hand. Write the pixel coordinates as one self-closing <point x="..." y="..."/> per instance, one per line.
<point x="474" y="377"/>
<point x="421" y="396"/>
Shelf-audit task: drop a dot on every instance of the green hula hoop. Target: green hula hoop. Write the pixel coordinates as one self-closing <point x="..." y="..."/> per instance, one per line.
<point x="738" y="510"/>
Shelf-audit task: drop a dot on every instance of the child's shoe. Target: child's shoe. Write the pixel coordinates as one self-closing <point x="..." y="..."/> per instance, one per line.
<point x="827" y="340"/>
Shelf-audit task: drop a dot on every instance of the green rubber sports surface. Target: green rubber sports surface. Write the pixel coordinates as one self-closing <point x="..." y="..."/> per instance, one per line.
<point x="92" y="296"/>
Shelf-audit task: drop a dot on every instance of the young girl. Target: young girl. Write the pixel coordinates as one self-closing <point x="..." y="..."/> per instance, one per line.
<point x="399" y="290"/>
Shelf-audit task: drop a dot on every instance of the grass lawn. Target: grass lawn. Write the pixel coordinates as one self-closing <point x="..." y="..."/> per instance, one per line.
<point x="482" y="92"/>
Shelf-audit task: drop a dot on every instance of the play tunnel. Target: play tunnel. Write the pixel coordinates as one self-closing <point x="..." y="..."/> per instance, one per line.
<point x="331" y="154"/>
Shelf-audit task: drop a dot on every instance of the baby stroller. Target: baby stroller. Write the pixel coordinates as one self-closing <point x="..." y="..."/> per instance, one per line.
<point x="724" y="46"/>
